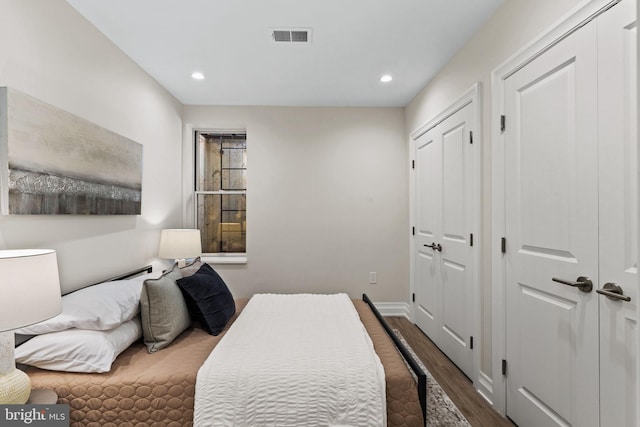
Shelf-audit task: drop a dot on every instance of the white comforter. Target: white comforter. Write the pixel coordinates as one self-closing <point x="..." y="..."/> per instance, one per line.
<point x="293" y="360"/>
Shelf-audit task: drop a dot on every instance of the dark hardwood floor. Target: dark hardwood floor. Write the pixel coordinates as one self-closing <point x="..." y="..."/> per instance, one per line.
<point x="451" y="379"/>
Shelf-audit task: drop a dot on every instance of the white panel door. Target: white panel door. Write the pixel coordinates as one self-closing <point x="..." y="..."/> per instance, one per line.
<point x="552" y="232"/>
<point x="427" y="275"/>
<point x="444" y="258"/>
<point x="618" y="213"/>
<point x="455" y="254"/>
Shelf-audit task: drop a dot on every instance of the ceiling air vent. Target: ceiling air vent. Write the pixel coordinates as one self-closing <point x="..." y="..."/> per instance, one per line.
<point x="289" y="35"/>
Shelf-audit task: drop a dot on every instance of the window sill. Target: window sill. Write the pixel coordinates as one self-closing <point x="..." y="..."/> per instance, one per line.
<point x="234" y="259"/>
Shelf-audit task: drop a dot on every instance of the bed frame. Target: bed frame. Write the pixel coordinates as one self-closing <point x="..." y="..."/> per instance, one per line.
<point x="417" y="369"/>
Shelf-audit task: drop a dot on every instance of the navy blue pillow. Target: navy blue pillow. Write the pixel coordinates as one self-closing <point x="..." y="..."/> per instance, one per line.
<point x="208" y="299"/>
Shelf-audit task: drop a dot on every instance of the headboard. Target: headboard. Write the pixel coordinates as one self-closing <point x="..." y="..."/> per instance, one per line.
<point x="132" y="273"/>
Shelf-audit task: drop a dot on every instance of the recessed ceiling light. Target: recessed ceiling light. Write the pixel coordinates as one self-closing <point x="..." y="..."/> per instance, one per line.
<point x="386" y="78"/>
<point x="197" y="75"/>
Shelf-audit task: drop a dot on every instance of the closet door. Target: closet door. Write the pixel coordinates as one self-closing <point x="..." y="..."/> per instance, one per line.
<point x="444" y="258"/>
<point x="618" y="213"/>
<point x="428" y="152"/>
<point x="551" y="213"/>
<point x="455" y="252"/>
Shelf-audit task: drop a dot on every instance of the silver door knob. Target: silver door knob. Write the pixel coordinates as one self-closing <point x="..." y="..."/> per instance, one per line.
<point x="583" y="283"/>
<point x="435" y="247"/>
<point x="613" y="291"/>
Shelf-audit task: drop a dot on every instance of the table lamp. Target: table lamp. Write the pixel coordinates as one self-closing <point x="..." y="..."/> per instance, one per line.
<point x="29" y="293"/>
<point x="180" y="243"/>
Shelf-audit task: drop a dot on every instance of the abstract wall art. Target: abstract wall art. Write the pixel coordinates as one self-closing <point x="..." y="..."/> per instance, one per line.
<point x="53" y="162"/>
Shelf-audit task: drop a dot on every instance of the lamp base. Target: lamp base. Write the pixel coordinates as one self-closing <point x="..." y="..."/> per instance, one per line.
<point x="15" y="385"/>
<point x="15" y="388"/>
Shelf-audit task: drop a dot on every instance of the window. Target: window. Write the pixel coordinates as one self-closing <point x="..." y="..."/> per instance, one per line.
<point x="221" y="192"/>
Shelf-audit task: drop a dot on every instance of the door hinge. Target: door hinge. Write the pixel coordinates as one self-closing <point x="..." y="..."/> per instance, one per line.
<point x="503" y="245"/>
<point x="471" y="343"/>
<point x="471" y="239"/>
<point x="413" y="164"/>
<point x="504" y="367"/>
<point x="503" y="123"/>
<point x="413" y="231"/>
<point x="413" y="297"/>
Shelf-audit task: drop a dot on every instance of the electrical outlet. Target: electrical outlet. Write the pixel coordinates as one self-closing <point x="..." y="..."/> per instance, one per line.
<point x="373" y="278"/>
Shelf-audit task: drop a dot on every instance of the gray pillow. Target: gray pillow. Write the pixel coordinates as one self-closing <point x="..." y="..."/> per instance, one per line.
<point x="191" y="268"/>
<point x="163" y="311"/>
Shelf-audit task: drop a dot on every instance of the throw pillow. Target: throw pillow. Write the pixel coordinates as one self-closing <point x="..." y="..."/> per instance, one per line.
<point x="191" y="268"/>
<point x="209" y="300"/>
<point x="163" y="310"/>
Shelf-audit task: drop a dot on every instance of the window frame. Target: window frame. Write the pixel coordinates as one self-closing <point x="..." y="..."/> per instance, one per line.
<point x="215" y="257"/>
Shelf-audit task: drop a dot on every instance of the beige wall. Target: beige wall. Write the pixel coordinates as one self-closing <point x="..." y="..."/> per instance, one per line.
<point x="50" y="52"/>
<point x="328" y="187"/>
<point x="327" y="198"/>
<point x="513" y="26"/>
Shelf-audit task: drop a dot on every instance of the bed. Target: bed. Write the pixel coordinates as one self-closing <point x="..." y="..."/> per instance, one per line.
<point x="159" y="388"/>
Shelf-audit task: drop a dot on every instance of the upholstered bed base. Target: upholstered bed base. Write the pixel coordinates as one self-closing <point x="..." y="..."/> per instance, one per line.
<point x="159" y="388"/>
<point x="141" y="387"/>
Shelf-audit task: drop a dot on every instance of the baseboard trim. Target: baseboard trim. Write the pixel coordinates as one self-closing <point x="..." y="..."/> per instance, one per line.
<point x="394" y="309"/>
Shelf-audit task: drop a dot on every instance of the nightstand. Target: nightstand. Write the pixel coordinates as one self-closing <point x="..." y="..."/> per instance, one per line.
<point x="41" y="396"/>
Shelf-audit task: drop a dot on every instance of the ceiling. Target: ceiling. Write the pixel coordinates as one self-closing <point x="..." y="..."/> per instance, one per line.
<point x="353" y="43"/>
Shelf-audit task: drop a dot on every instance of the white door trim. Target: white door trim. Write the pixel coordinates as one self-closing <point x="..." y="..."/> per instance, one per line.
<point x="638" y="306"/>
<point x="573" y="21"/>
<point x="472" y="96"/>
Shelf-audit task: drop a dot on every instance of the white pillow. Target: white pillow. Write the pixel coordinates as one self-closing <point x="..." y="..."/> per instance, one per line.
<point x="79" y="350"/>
<point x="99" y="307"/>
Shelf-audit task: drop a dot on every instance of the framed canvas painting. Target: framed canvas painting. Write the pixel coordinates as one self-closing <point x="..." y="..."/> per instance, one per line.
<point x="53" y="162"/>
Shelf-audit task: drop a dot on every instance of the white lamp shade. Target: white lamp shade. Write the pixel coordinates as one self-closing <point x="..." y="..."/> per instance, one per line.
<point x="180" y="243"/>
<point x="29" y="287"/>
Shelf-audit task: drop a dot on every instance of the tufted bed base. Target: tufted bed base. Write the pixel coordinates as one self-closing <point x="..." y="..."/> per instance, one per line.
<point x="158" y="389"/>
